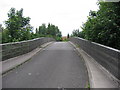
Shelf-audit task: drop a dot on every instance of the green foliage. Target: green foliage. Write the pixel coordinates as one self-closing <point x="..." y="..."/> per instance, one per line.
<point x="103" y="26"/>
<point x="42" y="30"/>
<point x="65" y="40"/>
<point x="17" y="27"/>
<point x="6" y="36"/>
<point x="58" y="39"/>
<point x="49" y="31"/>
<point x="88" y="86"/>
<point x="1" y="28"/>
<point x="77" y="33"/>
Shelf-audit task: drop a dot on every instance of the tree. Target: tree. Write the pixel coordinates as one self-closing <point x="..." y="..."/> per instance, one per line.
<point x="19" y="29"/>
<point x="76" y="33"/>
<point x="1" y="29"/>
<point x="26" y="32"/>
<point x="103" y="26"/>
<point x="42" y="30"/>
<point x="49" y="31"/>
<point x="17" y="25"/>
<point x="68" y="35"/>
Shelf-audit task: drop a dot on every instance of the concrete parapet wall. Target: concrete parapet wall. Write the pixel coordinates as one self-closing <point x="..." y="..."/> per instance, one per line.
<point x="108" y="57"/>
<point x="10" y="50"/>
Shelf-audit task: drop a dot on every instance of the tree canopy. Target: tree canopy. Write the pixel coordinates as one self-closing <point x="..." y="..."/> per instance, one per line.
<point x="49" y="31"/>
<point x="18" y="28"/>
<point x="103" y="26"/>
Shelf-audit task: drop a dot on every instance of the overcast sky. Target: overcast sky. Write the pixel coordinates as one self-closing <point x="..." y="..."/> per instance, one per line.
<point x="66" y="14"/>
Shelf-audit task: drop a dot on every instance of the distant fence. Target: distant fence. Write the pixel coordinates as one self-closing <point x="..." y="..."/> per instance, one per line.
<point x="108" y="57"/>
<point x="10" y="50"/>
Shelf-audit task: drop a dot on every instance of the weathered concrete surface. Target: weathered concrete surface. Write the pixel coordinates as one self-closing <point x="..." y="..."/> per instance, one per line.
<point x="10" y="50"/>
<point x="56" y="66"/>
<point x="13" y="62"/>
<point x="98" y="77"/>
<point x="106" y="56"/>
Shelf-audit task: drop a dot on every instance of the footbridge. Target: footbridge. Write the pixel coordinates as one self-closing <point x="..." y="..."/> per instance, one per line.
<point x="46" y="63"/>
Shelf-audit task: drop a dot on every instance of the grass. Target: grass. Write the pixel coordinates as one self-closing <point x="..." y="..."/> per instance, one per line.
<point x="78" y="46"/>
<point x="66" y="40"/>
<point x="88" y="86"/>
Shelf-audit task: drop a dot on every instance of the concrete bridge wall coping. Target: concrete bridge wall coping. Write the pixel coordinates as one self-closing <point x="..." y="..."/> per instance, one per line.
<point x="106" y="56"/>
<point x="10" y="50"/>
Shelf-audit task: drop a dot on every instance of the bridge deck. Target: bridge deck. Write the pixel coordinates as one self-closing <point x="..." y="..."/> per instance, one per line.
<point x="58" y="65"/>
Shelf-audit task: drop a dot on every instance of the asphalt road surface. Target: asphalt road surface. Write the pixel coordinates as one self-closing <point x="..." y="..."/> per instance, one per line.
<point x="57" y="66"/>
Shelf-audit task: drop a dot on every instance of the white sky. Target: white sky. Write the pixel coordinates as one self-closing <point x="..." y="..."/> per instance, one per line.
<point x="66" y="14"/>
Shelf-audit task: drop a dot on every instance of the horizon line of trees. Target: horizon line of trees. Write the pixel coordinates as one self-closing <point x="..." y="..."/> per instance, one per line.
<point x="18" y="28"/>
<point x="49" y="31"/>
<point x="102" y="26"/>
